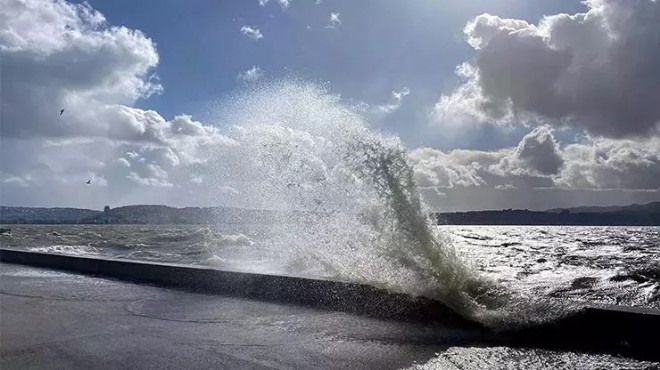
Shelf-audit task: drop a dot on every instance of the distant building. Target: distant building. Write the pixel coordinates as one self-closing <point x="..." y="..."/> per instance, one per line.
<point x="106" y="215"/>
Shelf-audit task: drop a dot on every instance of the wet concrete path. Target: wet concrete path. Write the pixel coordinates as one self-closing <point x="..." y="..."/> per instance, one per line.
<point x="58" y="320"/>
<point x="51" y="319"/>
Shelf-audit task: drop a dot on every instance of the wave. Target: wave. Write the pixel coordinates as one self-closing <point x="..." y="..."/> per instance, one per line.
<point x="77" y="250"/>
<point x="648" y="274"/>
<point x="354" y="209"/>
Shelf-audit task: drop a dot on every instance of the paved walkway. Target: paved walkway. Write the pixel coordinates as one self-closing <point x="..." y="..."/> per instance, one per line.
<point x="56" y="320"/>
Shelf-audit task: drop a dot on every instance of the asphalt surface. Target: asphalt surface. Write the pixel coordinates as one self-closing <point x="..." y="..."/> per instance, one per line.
<point x="56" y="320"/>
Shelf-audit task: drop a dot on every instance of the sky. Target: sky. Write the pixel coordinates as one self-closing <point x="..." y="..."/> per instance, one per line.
<point x="500" y="104"/>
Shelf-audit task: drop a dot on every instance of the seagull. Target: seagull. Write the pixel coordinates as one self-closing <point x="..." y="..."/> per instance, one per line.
<point x="61" y="111"/>
<point x="89" y="182"/>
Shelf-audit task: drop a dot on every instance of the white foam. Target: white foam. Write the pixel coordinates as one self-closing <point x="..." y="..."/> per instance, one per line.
<point x="529" y="359"/>
<point x="76" y="250"/>
<point x="215" y="261"/>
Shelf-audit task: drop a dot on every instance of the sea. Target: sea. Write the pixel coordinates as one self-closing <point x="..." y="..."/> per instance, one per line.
<point x="599" y="264"/>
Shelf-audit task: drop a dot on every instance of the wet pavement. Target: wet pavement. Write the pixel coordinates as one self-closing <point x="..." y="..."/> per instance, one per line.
<point x="58" y="320"/>
<point x="50" y="319"/>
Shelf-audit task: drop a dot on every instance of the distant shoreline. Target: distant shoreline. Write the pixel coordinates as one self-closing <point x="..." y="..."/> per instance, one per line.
<point x="632" y="215"/>
<point x="525" y="217"/>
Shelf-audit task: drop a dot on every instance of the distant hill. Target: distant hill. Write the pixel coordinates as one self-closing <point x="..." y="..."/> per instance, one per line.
<point x="135" y="214"/>
<point x="29" y="215"/>
<point x="632" y="215"/>
<point x="633" y="207"/>
<point x="154" y="214"/>
<point x="646" y="214"/>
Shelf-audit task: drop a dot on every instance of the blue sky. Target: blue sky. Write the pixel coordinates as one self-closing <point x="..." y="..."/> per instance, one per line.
<point x="381" y="46"/>
<point x="500" y="104"/>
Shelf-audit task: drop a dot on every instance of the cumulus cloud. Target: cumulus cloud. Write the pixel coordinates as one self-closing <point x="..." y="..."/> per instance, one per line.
<point x="540" y="151"/>
<point x="458" y="168"/>
<point x="155" y="176"/>
<point x="595" y="70"/>
<point x="58" y="55"/>
<point x="251" y="75"/>
<point x="537" y="153"/>
<point x="538" y="161"/>
<point x="613" y="164"/>
<point x="534" y="162"/>
<point x="252" y="32"/>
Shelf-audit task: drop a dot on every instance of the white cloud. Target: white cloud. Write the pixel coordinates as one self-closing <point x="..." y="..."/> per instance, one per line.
<point x="481" y="30"/>
<point x="124" y="162"/>
<point x="595" y="70"/>
<point x="149" y="181"/>
<point x="436" y="169"/>
<point x="613" y="164"/>
<point x="60" y="55"/>
<point x="252" y="32"/>
<point x="283" y="3"/>
<point x="395" y="102"/>
<point x="334" y="20"/>
<point x="539" y="162"/>
<point x="543" y="175"/>
<point x="467" y="104"/>
<point x="540" y="151"/>
<point x="537" y="153"/>
<point x="251" y="75"/>
<point x="15" y="181"/>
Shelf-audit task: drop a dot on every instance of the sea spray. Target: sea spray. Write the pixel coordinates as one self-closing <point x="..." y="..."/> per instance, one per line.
<point x="348" y="205"/>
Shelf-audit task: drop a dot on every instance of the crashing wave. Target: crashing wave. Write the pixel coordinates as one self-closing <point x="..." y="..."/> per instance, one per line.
<point x="353" y="209"/>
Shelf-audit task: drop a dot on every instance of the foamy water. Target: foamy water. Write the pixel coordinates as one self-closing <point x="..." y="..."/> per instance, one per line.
<point x="610" y="265"/>
<point x="505" y="358"/>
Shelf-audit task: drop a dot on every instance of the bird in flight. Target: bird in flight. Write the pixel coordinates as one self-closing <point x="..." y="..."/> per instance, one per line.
<point x="89" y="182"/>
<point x="61" y="111"/>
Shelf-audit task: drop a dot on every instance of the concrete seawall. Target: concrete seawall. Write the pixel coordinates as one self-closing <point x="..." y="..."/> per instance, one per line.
<point x="326" y="294"/>
<point x="618" y="330"/>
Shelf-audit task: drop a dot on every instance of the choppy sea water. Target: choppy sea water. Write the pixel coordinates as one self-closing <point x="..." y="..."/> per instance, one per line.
<point x="505" y="358"/>
<point x="610" y="265"/>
